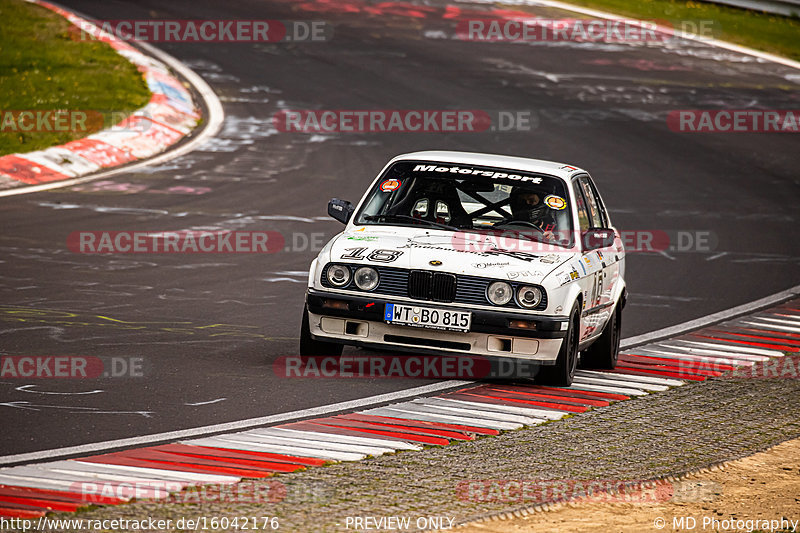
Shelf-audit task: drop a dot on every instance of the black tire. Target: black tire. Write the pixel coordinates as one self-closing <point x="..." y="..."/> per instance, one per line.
<point x="563" y="372"/>
<point x="310" y="346"/>
<point x="604" y="352"/>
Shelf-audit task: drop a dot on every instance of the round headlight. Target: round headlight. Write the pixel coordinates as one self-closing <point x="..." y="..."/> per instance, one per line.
<point x="366" y="278"/>
<point x="338" y="275"/>
<point x="499" y="293"/>
<point x="528" y="296"/>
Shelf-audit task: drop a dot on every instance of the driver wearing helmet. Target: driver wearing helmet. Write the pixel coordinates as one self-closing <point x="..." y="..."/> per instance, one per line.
<point x="527" y="206"/>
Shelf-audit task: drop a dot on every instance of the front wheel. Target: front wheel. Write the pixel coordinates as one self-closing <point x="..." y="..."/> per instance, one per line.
<point x="311" y="346"/>
<point x="563" y="372"/>
<point x="604" y="352"/>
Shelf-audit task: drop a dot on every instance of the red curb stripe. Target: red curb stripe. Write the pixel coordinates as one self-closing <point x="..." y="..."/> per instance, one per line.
<point x="346" y="431"/>
<point x="551" y="405"/>
<point x="20" y="513"/>
<point x="50" y="505"/>
<point x="498" y="391"/>
<point x="357" y="432"/>
<point x="672" y="368"/>
<point x="495" y="401"/>
<point x="99" y="152"/>
<point x="684" y="363"/>
<point x="267" y="465"/>
<point x="565" y="399"/>
<point x="211" y="469"/>
<point x="583" y="393"/>
<point x="657" y="373"/>
<point x="148" y="454"/>
<point x="20" y="169"/>
<point x="390" y="428"/>
<point x="141" y="463"/>
<point x="410" y="428"/>
<point x="366" y="428"/>
<point x="779" y="347"/>
<point x="570" y="393"/>
<point x="723" y="334"/>
<point x="428" y="424"/>
<point x="307" y="461"/>
<point x="772" y="332"/>
<point x="57" y="495"/>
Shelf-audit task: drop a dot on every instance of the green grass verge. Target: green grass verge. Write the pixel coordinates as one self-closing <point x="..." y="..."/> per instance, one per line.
<point x="45" y="65"/>
<point x="769" y="33"/>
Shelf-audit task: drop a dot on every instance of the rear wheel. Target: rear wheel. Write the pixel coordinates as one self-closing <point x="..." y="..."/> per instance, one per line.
<point x="310" y="346"/>
<point x="563" y="372"/>
<point x="603" y="352"/>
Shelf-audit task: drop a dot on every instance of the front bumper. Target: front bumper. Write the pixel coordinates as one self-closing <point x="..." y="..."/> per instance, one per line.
<point x="359" y="321"/>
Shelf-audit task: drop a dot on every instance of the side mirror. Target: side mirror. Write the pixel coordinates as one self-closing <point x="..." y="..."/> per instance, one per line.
<point x="597" y="238"/>
<point x="341" y="210"/>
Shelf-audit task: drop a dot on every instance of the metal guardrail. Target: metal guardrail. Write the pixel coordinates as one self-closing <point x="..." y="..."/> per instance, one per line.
<point x="789" y="8"/>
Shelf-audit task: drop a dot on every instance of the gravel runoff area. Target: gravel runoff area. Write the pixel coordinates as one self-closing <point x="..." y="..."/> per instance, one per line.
<point x="758" y="493"/>
<point x="662" y="434"/>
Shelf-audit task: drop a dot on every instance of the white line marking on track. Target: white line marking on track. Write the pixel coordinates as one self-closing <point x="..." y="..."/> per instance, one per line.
<point x="205" y="403"/>
<point x="712" y="318"/>
<point x="27" y="388"/>
<point x="230" y="426"/>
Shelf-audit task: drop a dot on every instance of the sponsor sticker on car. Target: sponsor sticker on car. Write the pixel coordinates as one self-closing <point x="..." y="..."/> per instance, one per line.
<point x="427" y="317"/>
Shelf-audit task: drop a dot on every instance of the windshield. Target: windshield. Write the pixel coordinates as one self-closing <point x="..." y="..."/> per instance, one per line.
<point x="470" y="198"/>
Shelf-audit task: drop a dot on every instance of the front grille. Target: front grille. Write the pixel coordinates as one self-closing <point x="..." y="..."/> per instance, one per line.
<point x="432" y="286"/>
<point x="436" y="286"/>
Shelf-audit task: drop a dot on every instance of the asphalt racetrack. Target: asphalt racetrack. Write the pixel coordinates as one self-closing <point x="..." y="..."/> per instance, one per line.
<point x="207" y="327"/>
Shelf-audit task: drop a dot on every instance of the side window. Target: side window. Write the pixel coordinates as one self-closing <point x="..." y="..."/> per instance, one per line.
<point x="580" y="203"/>
<point x="595" y="215"/>
<point x="603" y="211"/>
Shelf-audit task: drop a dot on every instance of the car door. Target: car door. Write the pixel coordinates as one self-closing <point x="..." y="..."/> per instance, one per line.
<point x="607" y="257"/>
<point x="590" y="269"/>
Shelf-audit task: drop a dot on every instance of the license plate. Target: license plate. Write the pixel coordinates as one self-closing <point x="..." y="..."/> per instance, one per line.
<point x="427" y="317"/>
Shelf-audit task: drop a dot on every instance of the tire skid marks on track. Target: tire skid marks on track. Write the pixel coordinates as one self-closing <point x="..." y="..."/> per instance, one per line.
<point x="476" y="410"/>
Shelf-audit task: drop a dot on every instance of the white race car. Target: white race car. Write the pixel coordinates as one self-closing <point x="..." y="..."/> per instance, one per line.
<point x="467" y="253"/>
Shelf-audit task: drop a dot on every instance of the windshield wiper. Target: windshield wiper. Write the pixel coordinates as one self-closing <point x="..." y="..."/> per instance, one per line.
<point x="407" y="217"/>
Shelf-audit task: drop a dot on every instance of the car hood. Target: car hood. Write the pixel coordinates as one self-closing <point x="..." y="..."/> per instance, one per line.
<point x="447" y="251"/>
